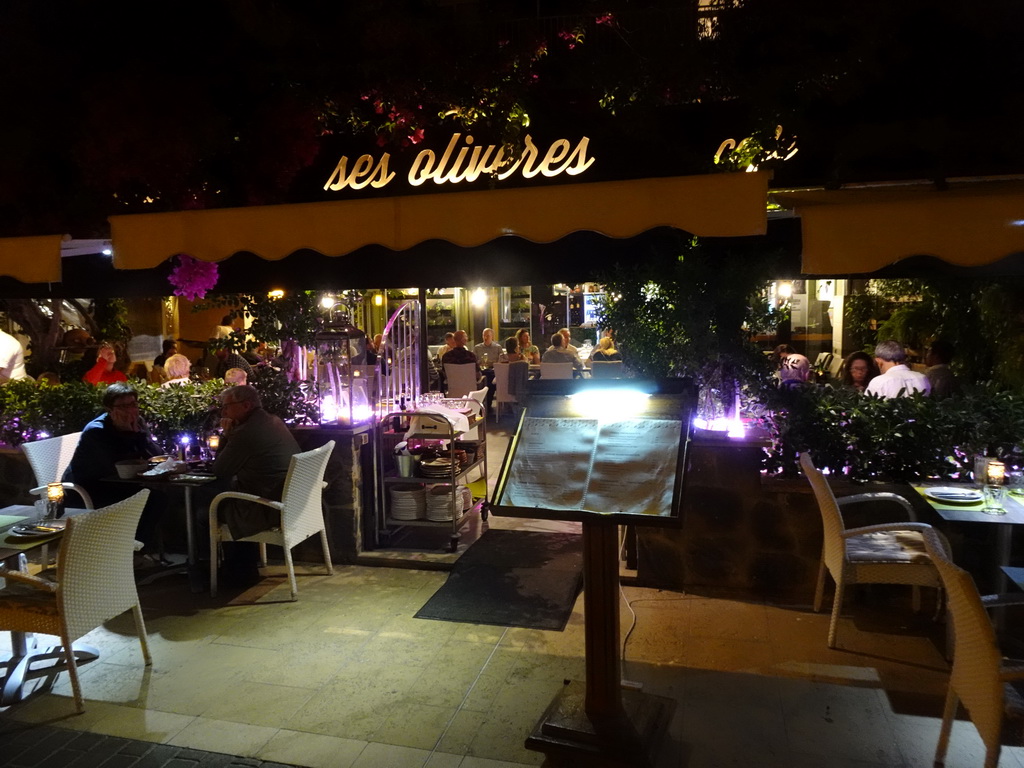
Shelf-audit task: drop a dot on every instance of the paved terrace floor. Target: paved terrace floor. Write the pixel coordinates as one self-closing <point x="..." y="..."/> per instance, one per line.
<point x="347" y="678"/>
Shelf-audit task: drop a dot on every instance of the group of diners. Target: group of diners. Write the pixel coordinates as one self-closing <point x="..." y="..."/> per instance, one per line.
<point x="884" y="373"/>
<point x="253" y="456"/>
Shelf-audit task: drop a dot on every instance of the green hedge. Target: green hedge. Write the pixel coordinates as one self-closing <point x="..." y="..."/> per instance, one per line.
<point x="29" y="411"/>
<point x="896" y="439"/>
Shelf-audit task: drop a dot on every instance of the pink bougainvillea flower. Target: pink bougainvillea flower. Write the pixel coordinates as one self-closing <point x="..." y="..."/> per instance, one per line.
<point x="192" y="278"/>
<point x="416" y="136"/>
<point x="605" y="19"/>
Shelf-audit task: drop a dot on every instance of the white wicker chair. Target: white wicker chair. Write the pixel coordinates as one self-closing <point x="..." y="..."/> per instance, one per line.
<point x="891" y="553"/>
<point x="49" y="459"/>
<point x="460" y="379"/>
<point x="95" y="583"/>
<point x="301" y="514"/>
<point x="980" y="675"/>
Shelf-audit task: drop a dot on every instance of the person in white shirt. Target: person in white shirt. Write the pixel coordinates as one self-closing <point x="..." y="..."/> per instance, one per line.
<point x="567" y="347"/>
<point x="896" y="380"/>
<point x="12" y="359"/>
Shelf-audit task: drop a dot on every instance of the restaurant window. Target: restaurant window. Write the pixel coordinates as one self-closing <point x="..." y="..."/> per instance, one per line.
<point x="445" y="307"/>
<point x="515" y="312"/>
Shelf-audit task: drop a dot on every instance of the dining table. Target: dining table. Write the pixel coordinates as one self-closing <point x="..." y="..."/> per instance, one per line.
<point x="964" y="503"/>
<point x="193" y="475"/>
<point x="29" y="659"/>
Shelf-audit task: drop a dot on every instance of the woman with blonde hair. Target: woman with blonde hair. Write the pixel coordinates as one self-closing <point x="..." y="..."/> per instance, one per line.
<point x="178" y="368"/>
<point x="606" y="351"/>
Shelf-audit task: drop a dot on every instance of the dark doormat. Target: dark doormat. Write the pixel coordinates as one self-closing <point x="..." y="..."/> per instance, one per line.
<point x="512" y="579"/>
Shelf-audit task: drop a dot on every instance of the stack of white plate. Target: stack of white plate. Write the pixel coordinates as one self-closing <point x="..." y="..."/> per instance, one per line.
<point x="439" y="503"/>
<point x="408" y="502"/>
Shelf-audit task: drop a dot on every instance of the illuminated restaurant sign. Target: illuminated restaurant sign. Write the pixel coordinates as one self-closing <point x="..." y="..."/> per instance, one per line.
<point x="461" y="161"/>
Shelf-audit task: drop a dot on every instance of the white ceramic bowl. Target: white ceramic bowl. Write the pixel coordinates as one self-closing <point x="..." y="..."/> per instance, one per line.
<point x="126" y="470"/>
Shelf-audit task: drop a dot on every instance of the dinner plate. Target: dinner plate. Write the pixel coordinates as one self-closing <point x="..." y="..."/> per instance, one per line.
<point x="36" y="530"/>
<point x="948" y="495"/>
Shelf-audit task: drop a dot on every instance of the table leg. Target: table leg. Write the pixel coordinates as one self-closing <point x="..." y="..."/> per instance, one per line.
<point x="196" y="578"/>
<point x="190" y="526"/>
<point x="1004" y="542"/>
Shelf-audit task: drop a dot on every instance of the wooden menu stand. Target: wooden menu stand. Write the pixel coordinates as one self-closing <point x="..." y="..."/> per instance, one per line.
<point x="611" y="725"/>
<point x="624" y="469"/>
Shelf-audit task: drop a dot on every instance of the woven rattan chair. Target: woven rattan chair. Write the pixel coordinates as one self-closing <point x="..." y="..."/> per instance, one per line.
<point x="49" y="459"/>
<point x="95" y="582"/>
<point x="891" y="553"/>
<point x="301" y="514"/>
<point x="980" y="676"/>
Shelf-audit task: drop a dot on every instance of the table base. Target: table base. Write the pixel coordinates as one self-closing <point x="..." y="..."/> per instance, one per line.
<point x="22" y="666"/>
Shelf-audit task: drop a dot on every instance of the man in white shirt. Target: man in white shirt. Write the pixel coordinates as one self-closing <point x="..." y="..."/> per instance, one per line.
<point x="12" y="359"/>
<point x="567" y="347"/>
<point x="896" y="380"/>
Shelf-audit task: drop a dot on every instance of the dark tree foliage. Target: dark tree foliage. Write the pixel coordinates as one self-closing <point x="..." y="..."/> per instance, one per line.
<point x="118" y="108"/>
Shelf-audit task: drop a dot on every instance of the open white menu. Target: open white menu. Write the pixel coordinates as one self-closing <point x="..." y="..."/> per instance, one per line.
<point x="626" y="466"/>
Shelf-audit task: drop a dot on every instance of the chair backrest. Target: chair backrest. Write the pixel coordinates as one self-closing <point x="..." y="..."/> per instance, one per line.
<point x="518" y="375"/>
<point x="606" y="369"/>
<point x="501" y="393"/>
<point x="833" y="547"/>
<point x="461" y="378"/>
<point x="94" y="570"/>
<point x="976" y="655"/>
<point x="480" y="395"/>
<point x="301" y="509"/>
<point x="550" y="371"/>
<point x="50" y="457"/>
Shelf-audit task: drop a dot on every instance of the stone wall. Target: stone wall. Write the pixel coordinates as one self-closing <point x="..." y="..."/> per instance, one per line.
<point x="745" y="535"/>
<point x="343" y="496"/>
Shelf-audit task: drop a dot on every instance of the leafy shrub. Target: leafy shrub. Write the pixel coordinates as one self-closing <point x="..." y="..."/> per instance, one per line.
<point x="30" y="411"/>
<point x="896" y="439"/>
<point x="184" y="409"/>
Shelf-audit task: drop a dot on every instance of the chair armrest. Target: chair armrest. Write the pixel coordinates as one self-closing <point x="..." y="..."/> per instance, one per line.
<point x="245" y="497"/>
<point x="1015" y="672"/>
<point x="25" y="578"/>
<point x="86" y="498"/>
<point x="1002" y="600"/>
<point x="896" y="527"/>
<point x="857" y="498"/>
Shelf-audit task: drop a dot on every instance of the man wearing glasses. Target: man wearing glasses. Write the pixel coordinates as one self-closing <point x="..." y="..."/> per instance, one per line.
<point x="117" y="434"/>
<point x="255" y="451"/>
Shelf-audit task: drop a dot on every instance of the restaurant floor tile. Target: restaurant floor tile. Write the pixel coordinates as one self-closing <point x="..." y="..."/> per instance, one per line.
<point x="346" y="678"/>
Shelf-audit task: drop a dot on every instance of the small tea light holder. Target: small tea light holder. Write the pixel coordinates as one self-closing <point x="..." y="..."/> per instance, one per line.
<point x="54" y="500"/>
<point x="995" y="473"/>
<point x="995" y="476"/>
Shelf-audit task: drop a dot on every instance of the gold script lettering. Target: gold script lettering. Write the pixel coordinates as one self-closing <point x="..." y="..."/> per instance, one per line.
<point x="462" y="160"/>
<point x="363" y="166"/>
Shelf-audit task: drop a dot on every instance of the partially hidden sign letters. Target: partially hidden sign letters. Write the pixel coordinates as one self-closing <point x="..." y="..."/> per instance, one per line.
<point x="461" y="161"/>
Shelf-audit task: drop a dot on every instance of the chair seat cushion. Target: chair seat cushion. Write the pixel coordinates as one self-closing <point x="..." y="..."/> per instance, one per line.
<point x="21" y="598"/>
<point x="898" y="546"/>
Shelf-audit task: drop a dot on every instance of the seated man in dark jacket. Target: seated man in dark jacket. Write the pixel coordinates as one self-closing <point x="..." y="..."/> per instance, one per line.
<point x="117" y="434"/>
<point x="254" y="455"/>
